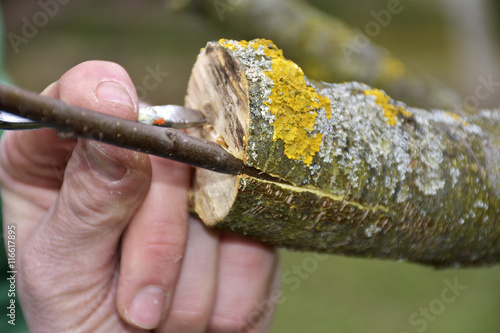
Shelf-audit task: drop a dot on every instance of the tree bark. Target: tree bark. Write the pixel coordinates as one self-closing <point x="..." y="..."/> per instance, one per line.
<point x="360" y="174"/>
<point x="327" y="48"/>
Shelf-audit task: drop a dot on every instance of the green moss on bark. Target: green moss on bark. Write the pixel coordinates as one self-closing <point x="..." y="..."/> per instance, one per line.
<point x="301" y="219"/>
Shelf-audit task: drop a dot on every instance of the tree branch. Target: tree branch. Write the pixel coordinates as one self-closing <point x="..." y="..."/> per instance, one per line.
<point x="327" y="48"/>
<point x="367" y="175"/>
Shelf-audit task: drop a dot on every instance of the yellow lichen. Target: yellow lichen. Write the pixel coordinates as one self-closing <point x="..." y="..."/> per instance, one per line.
<point x="391" y="111"/>
<point x="454" y="116"/>
<point x="457" y="118"/>
<point x="293" y="103"/>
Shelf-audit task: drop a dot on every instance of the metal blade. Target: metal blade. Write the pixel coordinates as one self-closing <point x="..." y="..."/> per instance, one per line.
<point x="174" y="116"/>
<point x="11" y="121"/>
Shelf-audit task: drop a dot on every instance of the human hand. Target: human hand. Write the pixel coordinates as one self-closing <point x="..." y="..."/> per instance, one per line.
<point x="103" y="238"/>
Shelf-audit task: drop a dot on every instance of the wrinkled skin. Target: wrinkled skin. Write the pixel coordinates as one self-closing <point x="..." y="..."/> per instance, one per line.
<point x="96" y="225"/>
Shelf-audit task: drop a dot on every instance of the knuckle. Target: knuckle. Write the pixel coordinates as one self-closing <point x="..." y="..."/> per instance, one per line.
<point x="91" y="210"/>
<point x="192" y="320"/>
<point x="95" y="204"/>
<point x="227" y="323"/>
<point x="256" y="262"/>
<point x="164" y="245"/>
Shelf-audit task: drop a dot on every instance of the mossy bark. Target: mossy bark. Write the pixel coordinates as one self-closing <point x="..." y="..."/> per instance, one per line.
<point x="360" y="174"/>
<point x="327" y="48"/>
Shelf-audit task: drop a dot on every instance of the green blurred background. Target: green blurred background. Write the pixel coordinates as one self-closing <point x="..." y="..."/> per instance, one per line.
<point x="334" y="294"/>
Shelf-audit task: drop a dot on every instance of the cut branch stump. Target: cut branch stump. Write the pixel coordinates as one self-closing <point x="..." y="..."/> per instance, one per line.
<point x="359" y="173"/>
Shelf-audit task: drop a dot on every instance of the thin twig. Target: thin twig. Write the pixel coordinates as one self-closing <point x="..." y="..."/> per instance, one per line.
<point x="73" y="121"/>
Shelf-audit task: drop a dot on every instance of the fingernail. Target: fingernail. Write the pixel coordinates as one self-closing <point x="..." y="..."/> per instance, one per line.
<point x="113" y="92"/>
<point x="103" y="163"/>
<point x="146" y="309"/>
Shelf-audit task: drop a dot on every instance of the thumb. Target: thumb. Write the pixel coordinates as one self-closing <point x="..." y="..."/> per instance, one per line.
<point x="103" y="184"/>
<point x="77" y="240"/>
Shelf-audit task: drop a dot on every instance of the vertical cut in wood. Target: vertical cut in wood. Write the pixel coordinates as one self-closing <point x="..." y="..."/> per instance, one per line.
<point x="361" y="174"/>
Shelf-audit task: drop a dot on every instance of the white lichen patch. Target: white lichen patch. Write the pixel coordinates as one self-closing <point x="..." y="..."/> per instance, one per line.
<point x="454" y="121"/>
<point x="256" y="63"/>
<point x="490" y="114"/>
<point x="481" y="204"/>
<point x="372" y="230"/>
<point x="429" y="153"/>
<point x="260" y="92"/>
<point x="358" y="137"/>
<point x="454" y="173"/>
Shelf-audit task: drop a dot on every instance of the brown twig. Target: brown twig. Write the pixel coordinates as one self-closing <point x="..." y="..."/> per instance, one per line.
<point x="73" y="121"/>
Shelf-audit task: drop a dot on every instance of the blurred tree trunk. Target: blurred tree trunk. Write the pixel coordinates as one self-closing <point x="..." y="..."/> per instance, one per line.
<point x="475" y="58"/>
<point x="327" y="48"/>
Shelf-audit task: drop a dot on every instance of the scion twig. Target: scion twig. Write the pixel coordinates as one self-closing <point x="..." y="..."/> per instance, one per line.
<point x="73" y="121"/>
